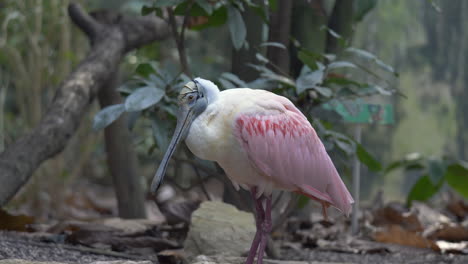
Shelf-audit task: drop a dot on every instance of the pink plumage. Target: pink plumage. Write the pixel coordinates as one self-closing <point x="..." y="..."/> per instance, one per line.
<point x="283" y="146"/>
<point x="263" y="142"/>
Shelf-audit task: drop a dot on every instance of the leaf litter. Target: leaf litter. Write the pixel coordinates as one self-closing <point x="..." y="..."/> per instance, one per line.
<point x="387" y="229"/>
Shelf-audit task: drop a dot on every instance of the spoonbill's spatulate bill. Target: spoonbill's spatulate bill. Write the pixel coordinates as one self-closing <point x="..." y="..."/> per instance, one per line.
<point x="263" y="142"/>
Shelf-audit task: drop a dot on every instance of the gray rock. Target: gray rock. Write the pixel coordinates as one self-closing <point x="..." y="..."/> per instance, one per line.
<point x="219" y="229"/>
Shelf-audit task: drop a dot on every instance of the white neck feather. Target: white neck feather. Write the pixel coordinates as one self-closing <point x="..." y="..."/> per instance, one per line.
<point x="211" y="90"/>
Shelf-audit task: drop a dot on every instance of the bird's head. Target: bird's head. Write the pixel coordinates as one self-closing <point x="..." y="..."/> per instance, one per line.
<point x="193" y="99"/>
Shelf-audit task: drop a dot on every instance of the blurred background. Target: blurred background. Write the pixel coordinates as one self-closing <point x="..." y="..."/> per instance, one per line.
<point x="407" y="54"/>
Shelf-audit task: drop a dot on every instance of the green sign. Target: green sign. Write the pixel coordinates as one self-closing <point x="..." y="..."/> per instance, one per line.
<point x="359" y="112"/>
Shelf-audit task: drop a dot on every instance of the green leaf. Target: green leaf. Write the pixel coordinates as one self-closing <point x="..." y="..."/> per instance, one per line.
<point x="414" y="166"/>
<point x="206" y="5"/>
<point x="394" y="165"/>
<point x="457" y="178"/>
<point x="145" y="10"/>
<point x="218" y="18"/>
<point x="323" y="91"/>
<point x="261" y="12"/>
<point x="143" y="98"/>
<point x="302" y="201"/>
<point x="261" y="58"/>
<point x="273" y="44"/>
<point x="144" y="70"/>
<point x="107" y="115"/>
<point x="341" y="81"/>
<point x="309" y="79"/>
<point x="341" y="64"/>
<point x="436" y="169"/>
<point x="132" y="118"/>
<point x="166" y="3"/>
<point x="195" y="9"/>
<point x="368" y="89"/>
<point x="226" y="83"/>
<point x="160" y="133"/>
<point x="309" y="58"/>
<point x="422" y="190"/>
<point x="234" y="79"/>
<point x="273" y="4"/>
<point x="331" y="32"/>
<point x="371" y="57"/>
<point x="368" y="159"/>
<point x="362" y="8"/>
<point x="346" y="146"/>
<point x="278" y="78"/>
<point x="236" y="27"/>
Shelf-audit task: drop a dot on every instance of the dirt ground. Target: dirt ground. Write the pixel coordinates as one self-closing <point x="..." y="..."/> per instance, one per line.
<point x="22" y="246"/>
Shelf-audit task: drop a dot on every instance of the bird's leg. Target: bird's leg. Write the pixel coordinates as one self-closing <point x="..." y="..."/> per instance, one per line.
<point x="259" y="218"/>
<point x="265" y="229"/>
<point x="324" y="211"/>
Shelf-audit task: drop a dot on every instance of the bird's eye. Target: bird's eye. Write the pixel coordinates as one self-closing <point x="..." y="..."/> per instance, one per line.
<point x="191" y="97"/>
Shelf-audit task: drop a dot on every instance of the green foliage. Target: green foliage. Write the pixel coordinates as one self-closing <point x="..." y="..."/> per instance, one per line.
<point x="323" y="77"/>
<point x="362" y="8"/>
<point x="143" y="98"/>
<point x="372" y="58"/>
<point x="216" y="14"/>
<point x="434" y="174"/>
<point x="236" y="27"/>
<point x="107" y="115"/>
<point x="422" y="190"/>
<point x="366" y="158"/>
<point x="456" y="176"/>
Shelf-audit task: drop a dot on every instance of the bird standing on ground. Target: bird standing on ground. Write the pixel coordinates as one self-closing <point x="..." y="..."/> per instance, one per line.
<point x="263" y="142"/>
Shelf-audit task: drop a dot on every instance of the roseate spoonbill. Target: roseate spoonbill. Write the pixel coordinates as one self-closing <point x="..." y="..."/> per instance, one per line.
<point x="263" y="142"/>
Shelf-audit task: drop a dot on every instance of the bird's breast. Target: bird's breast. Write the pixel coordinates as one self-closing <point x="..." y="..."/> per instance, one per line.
<point x="207" y="135"/>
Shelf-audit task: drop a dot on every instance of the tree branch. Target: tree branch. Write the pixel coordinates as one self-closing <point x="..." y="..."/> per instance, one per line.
<point x="84" y="21"/>
<point x="110" y="40"/>
<point x="180" y="40"/>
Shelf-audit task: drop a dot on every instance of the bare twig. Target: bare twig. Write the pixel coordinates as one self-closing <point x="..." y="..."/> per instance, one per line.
<point x="84" y="21"/>
<point x="180" y="38"/>
<point x="186" y="17"/>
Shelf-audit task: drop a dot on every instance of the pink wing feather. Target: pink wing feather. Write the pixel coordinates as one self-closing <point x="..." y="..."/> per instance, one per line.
<point x="283" y="145"/>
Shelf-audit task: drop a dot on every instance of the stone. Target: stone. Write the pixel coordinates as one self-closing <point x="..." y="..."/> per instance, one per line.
<point x="217" y="228"/>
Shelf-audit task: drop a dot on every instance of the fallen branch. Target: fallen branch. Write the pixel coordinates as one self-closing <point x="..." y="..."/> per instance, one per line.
<point x="111" y="36"/>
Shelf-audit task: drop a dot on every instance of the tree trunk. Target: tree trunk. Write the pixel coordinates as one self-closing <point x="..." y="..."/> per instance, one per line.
<point x="121" y="157"/>
<point x="341" y="21"/>
<point x="307" y="19"/>
<point x="280" y="27"/>
<point x="111" y="36"/>
<point x="241" y="57"/>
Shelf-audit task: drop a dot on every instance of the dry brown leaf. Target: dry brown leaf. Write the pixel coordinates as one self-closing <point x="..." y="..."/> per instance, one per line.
<point x="458" y="208"/>
<point x="450" y="232"/>
<point x="15" y="222"/>
<point x="397" y="235"/>
<point x="171" y="256"/>
<point x="397" y="214"/>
